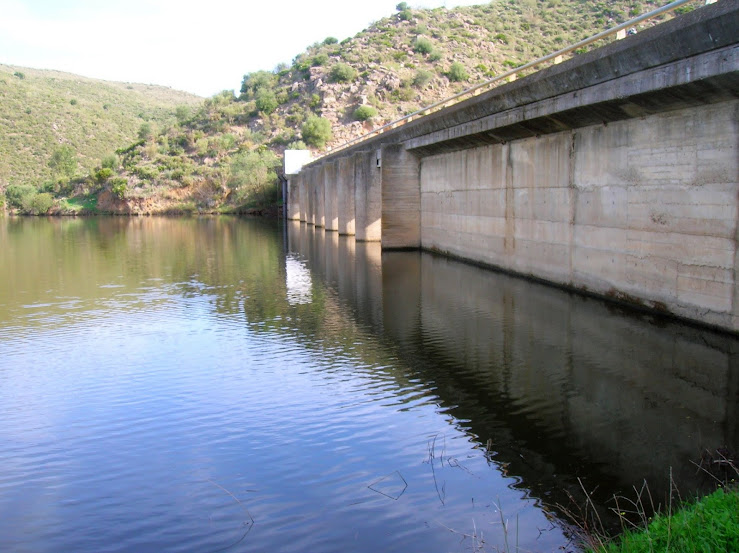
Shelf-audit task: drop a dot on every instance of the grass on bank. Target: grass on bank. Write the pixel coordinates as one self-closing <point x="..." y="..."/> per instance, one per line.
<point x="708" y="525"/>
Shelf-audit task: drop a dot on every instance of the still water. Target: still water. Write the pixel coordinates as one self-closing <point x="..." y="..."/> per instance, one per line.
<point x="223" y="384"/>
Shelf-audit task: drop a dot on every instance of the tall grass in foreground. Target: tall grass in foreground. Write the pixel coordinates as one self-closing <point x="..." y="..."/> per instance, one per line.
<point x="708" y="525"/>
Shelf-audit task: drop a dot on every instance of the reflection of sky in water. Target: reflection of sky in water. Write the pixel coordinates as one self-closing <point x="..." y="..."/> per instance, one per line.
<point x="160" y="402"/>
<point x="143" y="413"/>
<point x="298" y="281"/>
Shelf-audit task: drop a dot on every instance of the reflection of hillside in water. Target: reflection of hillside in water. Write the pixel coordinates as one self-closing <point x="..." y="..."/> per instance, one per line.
<point x="563" y="386"/>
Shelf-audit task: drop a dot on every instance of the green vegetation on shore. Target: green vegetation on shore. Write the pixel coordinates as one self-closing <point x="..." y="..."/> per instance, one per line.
<point x="71" y="145"/>
<point x="708" y="525"/>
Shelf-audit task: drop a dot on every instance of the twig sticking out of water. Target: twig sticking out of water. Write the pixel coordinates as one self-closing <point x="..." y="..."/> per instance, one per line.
<point x="249" y="524"/>
<point x="432" y="456"/>
<point x="393" y="497"/>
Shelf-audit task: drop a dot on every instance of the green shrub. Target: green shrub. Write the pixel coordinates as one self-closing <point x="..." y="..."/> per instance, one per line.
<point x="146" y="172"/>
<point x="342" y="73"/>
<point x="103" y="175"/>
<point x="320" y="59"/>
<point x="422" y="45"/>
<point x="434" y="56"/>
<point x="119" y="187"/>
<point x="40" y="203"/>
<point x="145" y="131"/>
<point x="253" y="177"/>
<point x="18" y="195"/>
<point x="183" y="114"/>
<point x="63" y="161"/>
<point x="297" y="145"/>
<point x="405" y="15"/>
<point x="422" y="78"/>
<point x="363" y="113"/>
<point x="266" y="101"/>
<point x="316" y="131"/>
<point x="458" y="73"/>
<point x="402" y="6"/>
<point x="73" y="102"/>
<point x="20" y="75"/>
<point x="254" y="81"/>
<point x="330" y="40"/>
<point x="110" y="162"/>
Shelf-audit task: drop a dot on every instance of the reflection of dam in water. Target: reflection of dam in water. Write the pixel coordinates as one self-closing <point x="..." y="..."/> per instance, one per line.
<point x="563" y="386"/>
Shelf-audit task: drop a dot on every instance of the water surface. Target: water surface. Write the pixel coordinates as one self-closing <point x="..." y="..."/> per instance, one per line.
<point x="223" y="384"/>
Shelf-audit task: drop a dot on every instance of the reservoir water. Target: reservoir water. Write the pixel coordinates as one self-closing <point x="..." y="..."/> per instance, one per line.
<point x="222" y="384"/>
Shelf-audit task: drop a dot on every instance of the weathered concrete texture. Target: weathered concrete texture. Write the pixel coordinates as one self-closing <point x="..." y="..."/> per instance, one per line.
<point x="643" y="211"/>
<point x="310" y="197"/>
<point x="367" y="197"/>
<point x="345" y="195"/>
<point x="319" y="193"/>
<point x="294" y="202"/>
<point x="401" y="206"/>
<point x="331" y="200"/>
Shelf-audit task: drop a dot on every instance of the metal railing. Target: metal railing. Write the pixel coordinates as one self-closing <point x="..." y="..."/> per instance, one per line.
<point x="489" y="84"/>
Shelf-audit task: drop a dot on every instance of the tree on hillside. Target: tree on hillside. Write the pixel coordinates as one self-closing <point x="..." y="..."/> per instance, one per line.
<point x="253" y="82"/>
<point x="63" y="162"/>
<point x="316" y="131"/>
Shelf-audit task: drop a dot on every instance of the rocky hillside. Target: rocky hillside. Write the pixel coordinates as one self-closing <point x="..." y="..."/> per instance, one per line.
<point x="224" y="155"/>
<point x="416" y="57"/>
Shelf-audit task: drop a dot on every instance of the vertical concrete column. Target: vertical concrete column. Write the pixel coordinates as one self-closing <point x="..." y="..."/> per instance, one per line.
<point x="345" y="195"/>
<point x="367" y="197"/>
<point x="310" y="195"/>
<point x="330" y="191"/>
<point x="401" y="198"/>
<point x="293" y="197"/>
<point x="320" y="196"/>
<point x="303" y="196"/>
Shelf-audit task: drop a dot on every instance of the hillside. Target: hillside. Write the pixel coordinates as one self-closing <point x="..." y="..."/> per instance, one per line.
<point x="224" y="155"/>
<point x="41" y="110"/>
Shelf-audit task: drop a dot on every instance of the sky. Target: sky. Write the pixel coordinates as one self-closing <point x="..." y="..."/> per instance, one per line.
<point x="201" y="47"/>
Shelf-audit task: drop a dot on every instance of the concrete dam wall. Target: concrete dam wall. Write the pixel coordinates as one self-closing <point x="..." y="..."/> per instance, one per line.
<point x="614" y="173"/>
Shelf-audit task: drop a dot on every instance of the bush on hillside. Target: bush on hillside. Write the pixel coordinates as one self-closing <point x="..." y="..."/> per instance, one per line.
<point x="405" y="15"/>
<point x="103" y="175"/>
<point x="254" y="177"/>
<point x="457" y="72"/>
<point x="119" y="186"/>
<point x="422" y="45"/>
<point x="18" y="195"/>
<point x="342" y="73"/>
<point x="40" y="203"/>
<point x="320" y="59"/>
<point x="422" y="78"/>
<point x="363" y="113"/>
<point x="316" y="131"/>
<point x="110" y="162"/>
<point x="145" y="132"/>
<point x="266" y="101"/>
<point x="63" y="161"/>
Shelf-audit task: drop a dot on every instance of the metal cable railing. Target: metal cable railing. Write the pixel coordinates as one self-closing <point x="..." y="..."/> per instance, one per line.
<point x="489" y="84"/>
